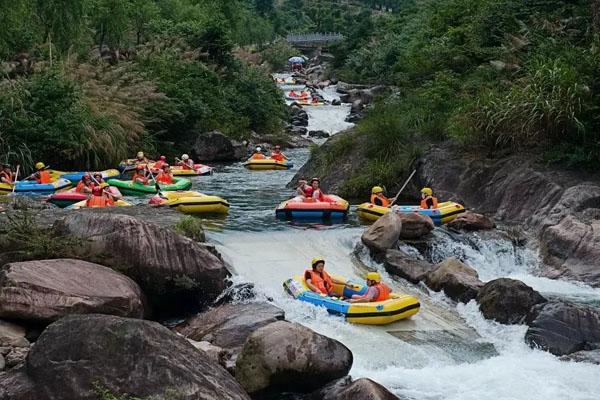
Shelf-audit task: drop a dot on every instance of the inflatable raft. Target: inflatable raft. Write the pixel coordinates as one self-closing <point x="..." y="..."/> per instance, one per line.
<point x="199" y="170"/>
<point x="82" y="204"/>
<point x="75" y="177"/>
<point x="71" y="196"/>
<point x="309" y="102"/>
<point x="34" y="188"/>
<point x="446" y="211"/>
<point x="192" y="202"/>
<point x="267" y="164"/>
<point x="397" y="307"/>
<point x="129" y="188"/>
<point x="305" y="96"/>
<point x="5" y="189"/>
<point x="333" y="208"/>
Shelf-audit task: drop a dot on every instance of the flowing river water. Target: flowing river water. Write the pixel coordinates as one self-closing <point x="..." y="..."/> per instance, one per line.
<point x="447" y="351"/>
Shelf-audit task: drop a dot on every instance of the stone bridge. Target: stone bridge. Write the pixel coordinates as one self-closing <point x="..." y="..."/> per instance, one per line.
<point x="313" y="40"/>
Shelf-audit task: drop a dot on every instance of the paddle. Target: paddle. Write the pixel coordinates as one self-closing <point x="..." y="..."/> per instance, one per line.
<point x="156" y="185"/>
<point x="31" y="176"/>
<point x="16" y="179"/>
<point x="402" y="188"/>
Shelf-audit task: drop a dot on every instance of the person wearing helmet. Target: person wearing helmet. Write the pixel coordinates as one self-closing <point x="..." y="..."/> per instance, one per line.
<point x="317" y="192"/>
<point x="318" y="280"/>
<point x="42" y="175"/>
<point x="186" y="162"/>
<point x="276" y="154"/>
<point x="378" y="197"/>
<point x="427" y="199"/>
<point x="140" y="175"/>
<point x="158" y="165"/>
<point x="85" y="185"/>
<point x="98" y="179"/>
<point x="99" y="198"/>
<point x="140" y="158"/>
<point x="377" y="291"/>
<point x="6" y="175"/>
<point x="258" y="155"/>
<point x="165" y="176"/>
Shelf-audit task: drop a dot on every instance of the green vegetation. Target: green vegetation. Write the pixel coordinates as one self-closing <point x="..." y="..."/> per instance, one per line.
<point x="87" y="83"/>
<point x="190" y="227"/>
<point x="511" y="75"/>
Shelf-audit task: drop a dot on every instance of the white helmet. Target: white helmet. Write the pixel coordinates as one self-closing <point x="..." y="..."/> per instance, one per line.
<point x="185" y="157"/>
<point x="258" y="148"/>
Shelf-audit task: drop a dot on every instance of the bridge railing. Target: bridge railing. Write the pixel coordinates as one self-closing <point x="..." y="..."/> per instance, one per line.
<point x="314" y="39"/>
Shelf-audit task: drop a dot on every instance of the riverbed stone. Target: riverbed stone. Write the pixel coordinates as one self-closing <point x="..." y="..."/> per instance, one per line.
<point x="286" y="356"/>
<point x="384" y="232"/>
<point x="215" y="146"/>
<point x="16" y="356"/>
<point x="345" y="388"/>
<point x="415" y="225"/>
<point x="458" y="281"/>
<point x="590" y="356"/>
<point x="507" y="300"/>
<point x="16" y="385"/>
<point x="124" y="355"/>
<point x="12" y="335"/>
<point x="401" y="264"/>
<point x="471" y="221"/>
<point x="46" y="290"/>
<point x="174" y="271"/>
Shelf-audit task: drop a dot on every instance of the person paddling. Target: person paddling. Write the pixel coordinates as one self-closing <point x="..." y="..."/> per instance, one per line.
<point x="140" y="158"/>
<point x="42" y="175"/>
<point x="186" y="162"/>
<point x="318" y="280"/>
<point x="140" y="175"/>
<point x="165" y="176"/>
<point x="258" y="155"/>
<point x="377" y="291"/>
<point x="378" y="197"/>
<point x="276" y="154"/>
<point x="6" y="175"/>
<point x="427" y="199"/>
<point x="99" y="198"/>
<point x="85" y="185"/>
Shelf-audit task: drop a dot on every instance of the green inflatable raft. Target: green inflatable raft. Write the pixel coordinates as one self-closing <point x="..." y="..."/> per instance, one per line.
<point x="129" y="188"/>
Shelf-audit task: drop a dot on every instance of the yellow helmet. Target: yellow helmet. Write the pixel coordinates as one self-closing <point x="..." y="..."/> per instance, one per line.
<point x="140" y="154"/>
<point x="40" y="165"/>
<point x="377" y="189"/>
<point x="317" y="260"/>
<point x="427" y="191"/>
<point x="374" y="276"/>
<point x="103" y="184"/>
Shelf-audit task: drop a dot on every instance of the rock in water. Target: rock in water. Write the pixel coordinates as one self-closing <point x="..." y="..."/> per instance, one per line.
<point x="458" y="281"/>
<point x="139" y="358"/>
<point x="415" y="226"/>
<point x="215" y="146"/>
<point x="173" y="271"/>
<point x="285" y="356"/>
<point x="507" y="300"/>
<point x="384" y="233"/>
<point x="470" y="221"/>
<point x="563" y="328"/>
<point x="399" y="263"/>
<point x="360" y="389"/>
<point x="591" y="356"/>
<point x="46" y="290"/>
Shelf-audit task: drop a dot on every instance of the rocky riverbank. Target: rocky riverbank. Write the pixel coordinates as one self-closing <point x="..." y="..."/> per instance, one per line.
<point x="84" y="323"/>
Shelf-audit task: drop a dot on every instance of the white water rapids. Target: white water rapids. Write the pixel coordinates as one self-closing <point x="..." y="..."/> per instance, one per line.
<point x="446" y="351"/>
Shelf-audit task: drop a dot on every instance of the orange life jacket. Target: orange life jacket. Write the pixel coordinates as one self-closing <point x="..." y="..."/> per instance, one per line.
<point x="277" y="156"/>
<point x="258" y="156"/>
<point x="424" y="202"/>
<point x="158" y="164"/>
<point x="137" y="176"/>
<point x="323" y="283"/>
<point x="43" y="177"/>
<point x="384" y="291"/>
<point x="380" y="200"/>
<point x="164" y="178"/>
<point x="80" y="186"/>
<point x="99" y="201"/>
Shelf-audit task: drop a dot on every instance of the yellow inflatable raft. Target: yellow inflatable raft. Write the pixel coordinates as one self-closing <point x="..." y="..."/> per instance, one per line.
<point x="267" y="164"/>
<point x="82" y="204"/>
<point x="5" y="188"/>
<point x="190" y="202"/>
<point x="446" y="211"/>
<point x="397" y="307"/>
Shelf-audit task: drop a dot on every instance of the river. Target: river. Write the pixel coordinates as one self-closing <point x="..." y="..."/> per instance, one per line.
<point x="447" y="351"/>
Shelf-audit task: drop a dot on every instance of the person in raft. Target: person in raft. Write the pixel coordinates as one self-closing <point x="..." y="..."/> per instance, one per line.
<point x="276" y="154"/>
<point x="85" y="185"/>
<point x="303" y="190"/>
<point x="258" y="155"/>
<point x="186" y="162"/>
<point x="377" y="291"/>
<point x="318" y="280"/>
<point x="100" y="198"/>
<point x="140" y="176"/>
<point x="6" y="174"/>
<point x="378" y="197"/>
<point x="427" y="199"/>
<point x="317" y="192"/>
<point x="140" y="158"/>
<point x="42" y="175"/>
<point x="98" y="178"/>
<point x="161" y="161"/>
<point x="165" y="176"/>
<point x="292" y="94"/>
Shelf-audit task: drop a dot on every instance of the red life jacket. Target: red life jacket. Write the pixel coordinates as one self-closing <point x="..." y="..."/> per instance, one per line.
<point x="158" y="164"/>
<point x="164" y="178"/>
<point x="384" y="291"/>
<point x="43" y="177"/>
<point x="137" y="176"/>
<point x="8" y="176"/>
<point x="380" y="200"/>
<point x="277" y="156"/>
<point x="323" y="283"/>
<point x="308" y="191"/>
<point x="80" y="186"/>
<point x="424" y="204"/>
<point x="98" y="201"/>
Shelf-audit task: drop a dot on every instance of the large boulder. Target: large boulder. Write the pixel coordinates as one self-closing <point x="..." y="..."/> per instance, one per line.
<point x="458" y="281"/>
<point x="384" y="232"/>
<point x="215" y="146"/>
<point x="471" y="221"/>
<point x="173" y="271"/>
<point x="572" y="249"/>
<point x="122" y="355"/>
<point x="46" y="290"/>
<point x="562" y="328"/>
<point x="16" y="385"/>
<point x="360" y="389"/>
<point x="507" y="300"/>
<point x="401" y="264"/>
<point x="285" y="356"/>
<point x="415" y="226"/>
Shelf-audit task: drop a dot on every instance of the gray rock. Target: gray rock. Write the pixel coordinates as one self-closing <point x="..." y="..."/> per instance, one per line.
<point x="591" y="356"/>
<point x="318" y="134"/>
<point x="285" y="356"/>
<point x="215" y="146"/>
<point x="415" y="226"/>
<point x="12" y="335"/>
<point x="458" y="281"/>
<point x="172" y="270"/>
<point x="399" y="263"/>
<point x="384" y="232"/>
<point x="16" y="356"/>
<point x="507" y="300"/>
<point x="336" y="102"/>
<point x="2" y="362"/>
<point x="46" y="290"/>
<point x="140" y="358"/>
<point x="16" y="385"/>
<point x="470" y="221"/>
<point x="563" y="328"/>
<point x="298" y="130"/>
<point x="360" y="389"/>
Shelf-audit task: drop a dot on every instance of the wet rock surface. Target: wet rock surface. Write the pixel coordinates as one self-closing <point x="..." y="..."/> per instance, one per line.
<point x="360" y="389"/>
<point x="507" y="300"/>
<point x="383" y="233"/>
<point x="399" y="263"/>
<point x="415" y="226"/>
<point x="471" y="221"/>
<point x="215" y="146"/>
<point x="591" y="356"/>
<point x="458" y="281"/>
